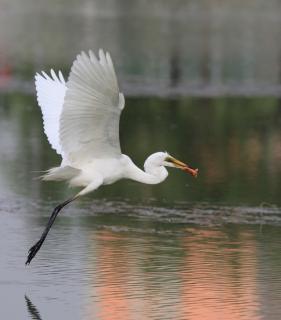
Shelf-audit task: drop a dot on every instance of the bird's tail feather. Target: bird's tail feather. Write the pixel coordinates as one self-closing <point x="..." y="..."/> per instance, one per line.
<point x="60" y="173"/>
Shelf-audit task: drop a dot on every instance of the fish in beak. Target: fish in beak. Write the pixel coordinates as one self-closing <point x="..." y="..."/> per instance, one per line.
<point x="180" y="165"/>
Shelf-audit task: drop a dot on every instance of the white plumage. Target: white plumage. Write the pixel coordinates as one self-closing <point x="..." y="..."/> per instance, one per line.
<point x="81" y="117"/>
<point x="50" y="96"/>
<point x="81" y="120"/>
<point x="89" y="122"/>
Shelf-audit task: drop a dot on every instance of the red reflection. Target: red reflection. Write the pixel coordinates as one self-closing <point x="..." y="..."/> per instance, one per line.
<point x="5" y="73"/>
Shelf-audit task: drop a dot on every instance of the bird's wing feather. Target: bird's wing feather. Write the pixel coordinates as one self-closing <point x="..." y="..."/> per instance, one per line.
<point x="50" y="96"/>
<point x="89" y="123"/>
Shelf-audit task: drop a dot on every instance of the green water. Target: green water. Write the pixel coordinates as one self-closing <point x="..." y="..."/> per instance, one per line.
<point x="185" y="249"/>
<point x="235" y="143"/>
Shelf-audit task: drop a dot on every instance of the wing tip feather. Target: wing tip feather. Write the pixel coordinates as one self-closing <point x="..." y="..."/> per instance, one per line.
<point x="61" y="77"/>
<point x="55" y="77"/>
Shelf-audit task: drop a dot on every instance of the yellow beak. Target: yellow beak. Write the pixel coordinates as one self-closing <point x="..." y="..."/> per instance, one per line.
<point x="180" y="165"/>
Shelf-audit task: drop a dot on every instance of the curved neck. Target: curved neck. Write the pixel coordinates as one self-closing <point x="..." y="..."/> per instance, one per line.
<point x="150" y="175"/>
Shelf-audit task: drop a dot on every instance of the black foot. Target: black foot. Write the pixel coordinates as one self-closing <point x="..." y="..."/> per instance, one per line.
<point x="33" y="250"/>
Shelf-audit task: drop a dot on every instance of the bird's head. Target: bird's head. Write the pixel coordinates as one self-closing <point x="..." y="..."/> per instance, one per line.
<point x="165" y="159"/>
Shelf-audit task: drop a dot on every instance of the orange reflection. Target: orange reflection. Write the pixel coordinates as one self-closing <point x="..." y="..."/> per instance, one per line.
<point x="223" y="286"/>
<point x="212" y="278"/>
<point x="113" y="269"/>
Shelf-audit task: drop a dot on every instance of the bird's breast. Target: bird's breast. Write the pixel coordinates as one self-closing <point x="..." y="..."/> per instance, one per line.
<point x="110" y="170"/>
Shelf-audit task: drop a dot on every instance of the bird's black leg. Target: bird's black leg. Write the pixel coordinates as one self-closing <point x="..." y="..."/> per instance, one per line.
<point x="34" y="249"/>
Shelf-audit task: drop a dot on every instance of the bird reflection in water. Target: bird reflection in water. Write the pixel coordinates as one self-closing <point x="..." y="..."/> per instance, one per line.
<point x="32" y="310"/>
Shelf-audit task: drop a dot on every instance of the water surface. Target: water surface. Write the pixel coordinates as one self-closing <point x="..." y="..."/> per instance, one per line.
<point x="206" y="248"/>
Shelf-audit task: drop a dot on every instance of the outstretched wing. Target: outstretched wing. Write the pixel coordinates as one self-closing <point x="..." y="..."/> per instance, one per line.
<point x="50" y="96"/>
<point x="89" y="123"/>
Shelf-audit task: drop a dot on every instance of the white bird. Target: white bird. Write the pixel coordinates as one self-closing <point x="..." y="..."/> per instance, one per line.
<point x="81" y="121"/>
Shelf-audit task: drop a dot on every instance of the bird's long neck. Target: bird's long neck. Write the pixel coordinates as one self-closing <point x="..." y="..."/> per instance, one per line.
<point x="151" y="175"/>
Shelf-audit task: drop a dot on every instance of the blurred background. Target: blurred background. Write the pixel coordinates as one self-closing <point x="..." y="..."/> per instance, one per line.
<point x="202" y="80"/>
<point x="162" y="48"/>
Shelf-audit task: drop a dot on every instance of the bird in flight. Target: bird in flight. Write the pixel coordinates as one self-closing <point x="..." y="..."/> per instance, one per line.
<point x="81" y="121"/>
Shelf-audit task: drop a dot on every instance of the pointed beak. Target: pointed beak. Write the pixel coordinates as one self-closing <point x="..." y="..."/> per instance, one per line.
<point x="180" y="165"/>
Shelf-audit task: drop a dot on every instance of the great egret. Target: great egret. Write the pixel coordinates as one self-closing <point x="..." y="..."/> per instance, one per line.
<point x="81" y="121"/>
